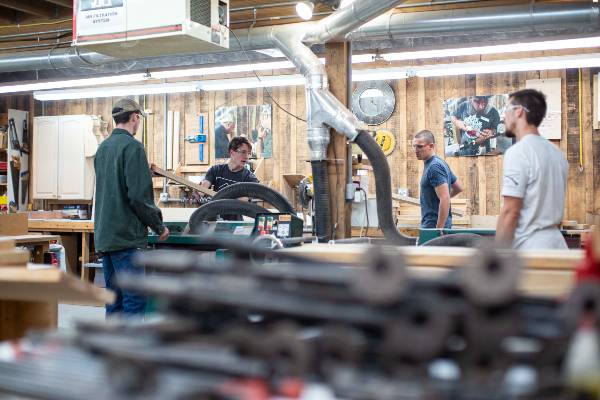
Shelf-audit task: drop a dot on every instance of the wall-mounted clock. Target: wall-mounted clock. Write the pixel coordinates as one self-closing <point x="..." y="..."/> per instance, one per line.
<point x="373" y="102"/>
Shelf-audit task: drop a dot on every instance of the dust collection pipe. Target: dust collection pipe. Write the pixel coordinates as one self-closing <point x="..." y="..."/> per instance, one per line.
<point x="324" y="111"/>
<point x="530" y="17"/>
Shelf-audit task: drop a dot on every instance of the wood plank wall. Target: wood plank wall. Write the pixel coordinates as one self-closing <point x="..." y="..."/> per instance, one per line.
<point x="418" y="106"/>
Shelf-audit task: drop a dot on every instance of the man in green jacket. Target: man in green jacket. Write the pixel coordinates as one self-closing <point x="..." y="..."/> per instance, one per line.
<point x="124" y="207"/>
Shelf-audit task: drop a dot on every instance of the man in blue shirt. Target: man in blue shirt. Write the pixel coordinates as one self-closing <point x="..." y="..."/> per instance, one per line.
<point x="438" y="184"/>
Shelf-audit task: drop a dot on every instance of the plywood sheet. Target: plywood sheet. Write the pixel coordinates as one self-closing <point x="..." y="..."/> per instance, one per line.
<point x="433" y="257"/>
<point x="47" y="285"/>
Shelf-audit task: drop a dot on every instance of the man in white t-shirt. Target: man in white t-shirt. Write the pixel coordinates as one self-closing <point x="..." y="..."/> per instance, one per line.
<point x="534" y="181"/>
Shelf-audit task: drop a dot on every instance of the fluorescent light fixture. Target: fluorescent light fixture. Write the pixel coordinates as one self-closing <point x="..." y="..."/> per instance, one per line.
<point x="116" y="91"/>
<point x="374" y="74"/>
<point x="495" y="49"/>
<point x="181" y="87"/>
<point x="304" y="9"/>
<point x="515" y="65"/>
<point x="345" y="3"/>
<point x="73" y="83"/>
<point x="379" y="74"/>
<point x="252" y="82"/>
<point x="225" y="69"/>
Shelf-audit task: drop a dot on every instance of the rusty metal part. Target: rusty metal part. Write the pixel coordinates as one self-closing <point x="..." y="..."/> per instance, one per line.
<point x="584" y="300"/>
<point x="287" y="353"/>
<point x="419" y="334"/>
<point x="491" y="279"/>
<point x="339" y="346"/>
<point x="383" y="281"/>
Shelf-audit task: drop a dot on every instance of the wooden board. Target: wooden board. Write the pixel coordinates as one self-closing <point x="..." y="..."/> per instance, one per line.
<point x="13" y="224"/>
<point x="181" y="180"/>
<point x="60" y="225"/>
<point x="32" y="239"/>
<point x="48" y="285"/>
<point x="436" y="256"/>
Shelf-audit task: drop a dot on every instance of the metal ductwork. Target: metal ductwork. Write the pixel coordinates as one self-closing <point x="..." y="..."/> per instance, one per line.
<point x="70" y="57"/>
<point x="527" y="17"/>
<point x="324" y="111"/>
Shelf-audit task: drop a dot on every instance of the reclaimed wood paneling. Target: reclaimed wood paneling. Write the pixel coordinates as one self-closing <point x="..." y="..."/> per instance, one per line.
<point x="418" y="106"/>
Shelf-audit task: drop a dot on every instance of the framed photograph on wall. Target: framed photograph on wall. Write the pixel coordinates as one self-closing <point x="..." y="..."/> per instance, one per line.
<point x="251" y="122"/>
<point x="474" y="125"/>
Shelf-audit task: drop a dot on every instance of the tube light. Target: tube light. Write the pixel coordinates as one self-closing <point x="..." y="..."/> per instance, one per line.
<point x="531" y="64"/>
<point x="248" y="83"/>
<point x="73" y="83"/>
<point x="494" y="49"/>
<point x="226" y="69"/>
<point x="379" y="74"/>
<point x="374" y="74"/>
<point x="116" y="91"/>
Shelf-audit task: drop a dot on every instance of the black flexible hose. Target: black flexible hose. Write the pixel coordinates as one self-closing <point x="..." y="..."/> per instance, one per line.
<point x="321" y="199"/>
<point x="209" y="212"/>
<point x="456" y="240"/>
<point x="256" y="191"/>
<point x="383" y="188"/>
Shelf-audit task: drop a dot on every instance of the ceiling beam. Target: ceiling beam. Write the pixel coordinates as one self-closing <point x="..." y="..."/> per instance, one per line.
<point x="62" y="3"/>
<point x="8" y="16"/>
<point x="30" y="7"/>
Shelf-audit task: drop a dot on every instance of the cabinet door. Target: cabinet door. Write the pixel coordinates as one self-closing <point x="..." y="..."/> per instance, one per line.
<point x="45" y="154"/>
<point x="71" y="157"/>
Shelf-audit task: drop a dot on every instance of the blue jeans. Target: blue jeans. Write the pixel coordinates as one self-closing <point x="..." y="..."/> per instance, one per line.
<point x="115" y="263"/>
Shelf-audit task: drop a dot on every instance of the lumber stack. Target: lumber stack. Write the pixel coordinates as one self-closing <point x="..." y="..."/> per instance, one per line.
<point x="11" y="256"/>
<point x="408" y="211"/>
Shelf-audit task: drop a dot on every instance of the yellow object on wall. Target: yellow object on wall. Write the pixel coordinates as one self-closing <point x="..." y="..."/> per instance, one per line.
<point x="386" y="140"/>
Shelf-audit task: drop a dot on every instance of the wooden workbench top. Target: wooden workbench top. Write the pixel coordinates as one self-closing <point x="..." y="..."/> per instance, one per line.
<point x="61" y="225"/>
<point x="31" y="238"/>
<point x="437" y="256"/>
<point x="44" y="283"/>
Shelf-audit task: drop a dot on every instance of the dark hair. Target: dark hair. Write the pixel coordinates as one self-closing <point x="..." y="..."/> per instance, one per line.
<point x="122" y="118"/>
<point x="534" y="101"/>
<point x="427" y="135"/>
<point x="238" y="142"/>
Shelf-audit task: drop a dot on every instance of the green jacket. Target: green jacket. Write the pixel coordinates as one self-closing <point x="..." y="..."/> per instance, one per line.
<point x="124" y="205"/>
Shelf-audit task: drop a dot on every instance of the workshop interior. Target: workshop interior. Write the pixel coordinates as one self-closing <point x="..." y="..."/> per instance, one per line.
<point x="316" y="200"/>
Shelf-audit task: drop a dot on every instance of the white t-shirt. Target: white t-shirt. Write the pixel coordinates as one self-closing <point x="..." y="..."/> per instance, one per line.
<point x="536" y="171"/>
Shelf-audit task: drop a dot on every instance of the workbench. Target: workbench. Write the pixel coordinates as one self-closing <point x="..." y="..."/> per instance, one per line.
<point x="40" y="244"/>
<point x="545" y="272"/>
<point x="29" y="297"/>
<point x="69" y="230"/>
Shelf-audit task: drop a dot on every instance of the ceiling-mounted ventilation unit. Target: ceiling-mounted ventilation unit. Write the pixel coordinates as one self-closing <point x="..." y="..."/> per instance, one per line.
<point x="145" y="28"/>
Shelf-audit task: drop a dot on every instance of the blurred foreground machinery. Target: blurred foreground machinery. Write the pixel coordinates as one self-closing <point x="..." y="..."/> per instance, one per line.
<point x="288" y="326"/>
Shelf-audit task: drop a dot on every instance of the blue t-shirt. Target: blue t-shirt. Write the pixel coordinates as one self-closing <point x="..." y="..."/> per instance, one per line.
<point x="436" y="173"/>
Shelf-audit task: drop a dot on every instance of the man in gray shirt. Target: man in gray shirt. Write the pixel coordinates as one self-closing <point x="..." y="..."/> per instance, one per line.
<point x="535" y="179"/>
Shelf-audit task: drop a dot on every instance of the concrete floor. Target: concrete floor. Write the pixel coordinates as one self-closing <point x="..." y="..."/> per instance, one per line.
<point x="68" y="313"/>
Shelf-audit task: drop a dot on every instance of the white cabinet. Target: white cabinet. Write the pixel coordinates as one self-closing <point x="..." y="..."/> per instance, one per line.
<point x="63" y="164"/>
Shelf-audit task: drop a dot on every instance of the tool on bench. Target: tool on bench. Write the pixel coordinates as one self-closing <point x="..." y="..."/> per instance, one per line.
<point x="161" y="172"/>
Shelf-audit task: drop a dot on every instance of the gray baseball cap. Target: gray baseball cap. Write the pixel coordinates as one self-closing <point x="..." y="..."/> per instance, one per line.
<point x="126" y="105"/>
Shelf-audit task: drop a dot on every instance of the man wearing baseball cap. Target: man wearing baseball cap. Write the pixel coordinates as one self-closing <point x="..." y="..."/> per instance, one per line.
<point x="124" y="205"/>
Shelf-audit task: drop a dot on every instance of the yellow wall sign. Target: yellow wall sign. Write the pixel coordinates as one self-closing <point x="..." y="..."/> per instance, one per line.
<point x="386" y="140"/>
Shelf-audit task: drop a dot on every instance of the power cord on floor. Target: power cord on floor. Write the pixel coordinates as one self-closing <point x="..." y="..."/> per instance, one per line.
<point x="258" y="77"/>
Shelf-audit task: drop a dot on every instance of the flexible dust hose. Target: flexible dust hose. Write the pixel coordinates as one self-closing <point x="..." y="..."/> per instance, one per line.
<point x="383" y="188"/>
<point x="321" y="198"/>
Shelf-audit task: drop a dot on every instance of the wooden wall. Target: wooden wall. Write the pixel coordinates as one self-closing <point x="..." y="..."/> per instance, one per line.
<point x="418" y="106"/>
